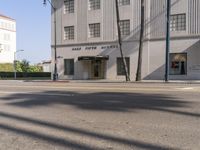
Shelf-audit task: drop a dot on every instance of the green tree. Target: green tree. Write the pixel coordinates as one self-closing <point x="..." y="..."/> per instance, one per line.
<point x="24" y="65"/>
<point x="34" y="68"/>
<point x="18" y="66"/>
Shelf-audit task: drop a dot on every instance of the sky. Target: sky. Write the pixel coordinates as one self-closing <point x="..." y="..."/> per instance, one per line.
<point x="33" y="28"/>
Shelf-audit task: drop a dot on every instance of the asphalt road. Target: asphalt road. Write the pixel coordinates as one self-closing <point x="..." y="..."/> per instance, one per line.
<point x="99" y="116"/>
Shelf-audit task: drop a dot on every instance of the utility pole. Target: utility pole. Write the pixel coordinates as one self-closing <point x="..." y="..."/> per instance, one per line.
<point x="15" y="63"/>
<point x="167" y="41"/>
<point x="55" y="74"/>
<point x="120" y="42"/>
<point x="139" y="67"/>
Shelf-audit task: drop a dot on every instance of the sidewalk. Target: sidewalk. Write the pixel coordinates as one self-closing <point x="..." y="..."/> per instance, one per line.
<point x="117" y="81"/>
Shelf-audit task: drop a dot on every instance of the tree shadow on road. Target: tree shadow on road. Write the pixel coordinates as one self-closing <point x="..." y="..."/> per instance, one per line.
<point x="102" y="101"/>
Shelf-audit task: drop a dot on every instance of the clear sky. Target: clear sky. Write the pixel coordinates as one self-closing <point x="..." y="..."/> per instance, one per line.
<point x="33" y="27"/>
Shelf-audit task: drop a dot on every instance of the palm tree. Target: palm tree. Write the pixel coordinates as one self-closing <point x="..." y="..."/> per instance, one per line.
<point x="120" y="42"/>
<point x="139" y="67"/>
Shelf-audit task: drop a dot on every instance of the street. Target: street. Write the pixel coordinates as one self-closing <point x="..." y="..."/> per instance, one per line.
<point x="99" y="116"/>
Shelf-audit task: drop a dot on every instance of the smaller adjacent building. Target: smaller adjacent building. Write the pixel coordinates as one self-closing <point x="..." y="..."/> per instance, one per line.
<point x="46" y="65"/>
<point x="7" y="39"/>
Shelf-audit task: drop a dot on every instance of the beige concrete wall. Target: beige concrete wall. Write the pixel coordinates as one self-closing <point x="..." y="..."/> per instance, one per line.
<point x="154" y="45"/>
<point x="157" y="58"/>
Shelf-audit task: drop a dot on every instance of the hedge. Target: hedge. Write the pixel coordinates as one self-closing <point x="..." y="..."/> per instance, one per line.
<point x="25" y="74"/>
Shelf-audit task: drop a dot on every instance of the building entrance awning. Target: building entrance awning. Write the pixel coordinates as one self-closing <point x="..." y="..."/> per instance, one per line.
<point x="93" y="58"/>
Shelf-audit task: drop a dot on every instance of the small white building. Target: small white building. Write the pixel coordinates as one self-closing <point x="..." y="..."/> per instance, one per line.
<point x="46" y="66"/>
<point x="87" y="39"/>
<point x="7" y="39"/>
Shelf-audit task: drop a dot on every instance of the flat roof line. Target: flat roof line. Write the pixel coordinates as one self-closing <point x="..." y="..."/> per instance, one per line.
<point x="6" y="17"/>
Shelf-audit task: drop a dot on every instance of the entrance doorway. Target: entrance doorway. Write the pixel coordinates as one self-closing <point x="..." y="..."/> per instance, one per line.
<point x="97" y="69"/>
<point x="95" y="66"/>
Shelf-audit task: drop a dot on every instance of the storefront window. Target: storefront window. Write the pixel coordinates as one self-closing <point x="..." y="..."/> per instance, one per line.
<point x="120" y="66"/>
<point x="69" y="66"/>
<point x="178" y="63"/>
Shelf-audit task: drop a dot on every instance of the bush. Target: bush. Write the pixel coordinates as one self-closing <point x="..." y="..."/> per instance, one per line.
<point x="21" y="66"/>
<point x="25" y="75"/>
<point x="7" y="67"/>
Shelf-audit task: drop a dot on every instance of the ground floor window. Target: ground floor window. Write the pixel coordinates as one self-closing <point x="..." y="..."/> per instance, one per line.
<point x="120" y="66"/>
<point x="68" y="66"/>
<point x="178" y="63"/>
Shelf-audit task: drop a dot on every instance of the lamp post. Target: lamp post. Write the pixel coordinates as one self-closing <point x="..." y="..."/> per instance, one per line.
<point x="55" y="74"/>
<point x="15" y="72"/>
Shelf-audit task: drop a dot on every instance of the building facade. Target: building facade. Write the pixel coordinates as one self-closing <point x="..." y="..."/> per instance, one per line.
<point x="87" y="40"/>
<point x="7" y="39"/>
<point x="46" y="65"/>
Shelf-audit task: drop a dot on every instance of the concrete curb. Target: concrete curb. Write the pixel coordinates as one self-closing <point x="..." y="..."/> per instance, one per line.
<point x="107" y="81"/>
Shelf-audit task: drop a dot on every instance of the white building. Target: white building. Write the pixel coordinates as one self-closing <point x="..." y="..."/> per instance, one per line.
<point x="7" y="39"/>
<point x="46" y="66"/>
<point x="87" y="39"/>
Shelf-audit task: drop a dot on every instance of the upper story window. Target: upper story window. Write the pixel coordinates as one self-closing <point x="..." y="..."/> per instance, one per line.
<point x="94" y="4"/>
<point x="124" y="27"/>
<point x="8" y="26"/>
<point x="7" y="37"/>
<point x="124" y="2"/>
<point x="68" y="6"/>
<point x="178" y="22"/>
<point x="6" y="47"/>
<point x="94" y="30"/>
<point x="69" y="33"/>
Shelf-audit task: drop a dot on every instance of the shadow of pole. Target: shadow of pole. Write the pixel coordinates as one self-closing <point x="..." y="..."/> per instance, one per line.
<point x="55" y="140"/>
<point x="73" y="130"/>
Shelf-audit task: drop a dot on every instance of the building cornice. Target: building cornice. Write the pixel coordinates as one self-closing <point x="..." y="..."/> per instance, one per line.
<point x="7" y="29"/>
<point x="85" y="44"/>
<point x="128" y="41"/>
<point x="7" y="18"/>
<point x="176" y="38"/>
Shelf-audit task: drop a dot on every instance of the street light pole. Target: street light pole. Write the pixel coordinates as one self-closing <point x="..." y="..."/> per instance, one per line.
<point x="15" y="71"/>
<point x="167" y="41"/>
<point x="55" y="74"/>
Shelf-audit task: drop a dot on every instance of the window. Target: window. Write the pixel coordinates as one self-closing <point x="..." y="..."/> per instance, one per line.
<point x="124" y="27"/>
<point x="13" y="27"/>
<point x="94" y="4"/>
<point x="124" y="2"/>
<point x="7" y="37"/>
<point x="178" y="22"/>
<point x="178" y="63"/>
<point x="69" y="33"/>
<point x="94" y="30"/>
<point x="69" y="66"/>
<point x="6" y="47"/>
<point x="120" y="66"/>
<point x="69" y="6"/>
